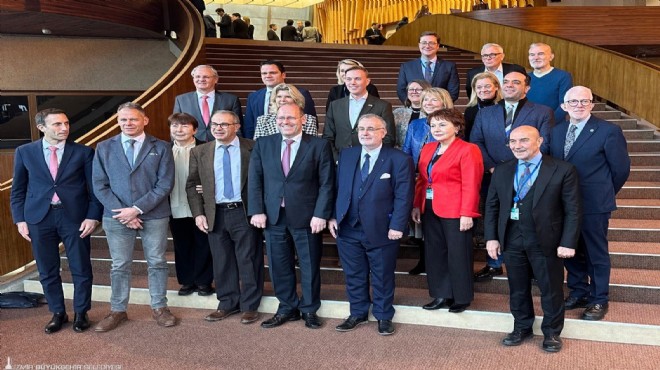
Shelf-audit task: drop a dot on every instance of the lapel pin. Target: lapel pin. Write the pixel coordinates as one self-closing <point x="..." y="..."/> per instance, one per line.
<point x="592" y="130"/>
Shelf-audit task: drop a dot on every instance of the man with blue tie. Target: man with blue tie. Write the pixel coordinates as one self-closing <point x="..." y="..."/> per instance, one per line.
<point x="598" y="150"/>
<point x="533" y="214"/>
<point x="52" y="202"/>
<point x="437" y="72"/>
<point x="221" y="168"/>
<point x="375" y="187"/>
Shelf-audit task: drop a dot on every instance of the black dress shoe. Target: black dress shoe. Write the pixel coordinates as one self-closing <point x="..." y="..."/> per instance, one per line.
<point x="595" y="312"/>
<point x="205" y="290"/>
<point x="487" y="273"/>
<point x="572" y="303"/>
<point x="312" y="321"/>
<point x="80" y="322"/>
<point x="351" y="323"/>
<point x="552" y="343"/>
<point x="437" y="304"/>
<point x="55" y="324"/>
<point x="187" y="289"/>
<point x="419" y="269"/>
<point x="516" y="337"/>
<point x="458" y="307"/>
<point x="280" y="319"/>
<point x="385" y="327"/>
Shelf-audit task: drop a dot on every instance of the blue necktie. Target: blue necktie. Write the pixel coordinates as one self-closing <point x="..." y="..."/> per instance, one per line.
<point x="364" y="172"/>
<point x="525" y="176"/>
<point x="228" y="191"/>
<point x="130" y="152"/>
<point x="428" y="73"/>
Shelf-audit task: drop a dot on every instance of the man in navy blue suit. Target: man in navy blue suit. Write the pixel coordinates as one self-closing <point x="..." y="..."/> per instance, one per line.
<point x="375" y="192"/>
<point x="437" y="72"/>
<point x="273" y="73"/>
<point x="598" y="150"/>
<point x="52" y="202"/>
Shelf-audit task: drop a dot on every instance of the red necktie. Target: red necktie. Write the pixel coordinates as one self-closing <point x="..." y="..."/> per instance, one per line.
<point x="53" y="169"/>
<point x="206" y="113"/>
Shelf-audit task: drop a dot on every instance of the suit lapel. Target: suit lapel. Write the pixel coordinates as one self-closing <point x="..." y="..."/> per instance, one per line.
<point x="521" y="115"/>
<point x="38" y="152"/>
<point x="245" y="162"/>
<point x="144" y="151"/>
<point x="587" y="132"/>
<point x="368" y="106"/>
<point x="548" y="168"/>
<point x="507" y="179"/>
<point x="208" y="165"/>
<point x="66" y="156"/>
<point x="302" y="152"/>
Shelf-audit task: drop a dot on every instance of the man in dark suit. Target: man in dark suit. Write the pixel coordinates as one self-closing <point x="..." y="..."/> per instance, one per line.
<point x="52" y="202"/>
<point x="533" y="216"/>
<point x="598" y="150"/>
<point x="290" y="195"/>
<point x="288" y="32"/>
<point x="239" y="26"/>
<point x="437" y="72"/>
<point x="273" y="73"/>
<point x="373" y="35"/>
<point x="133" y="176"/>
<point x="271" y="35"/>
<point x="375" y="192"/>
<point x="492" y="56"/>
<point x="491" y="130"/>
<point x="205" y="100"/>
<point x="341" y="118"/>
<point x="221" y="168"/>
<point x="226" y="29"/>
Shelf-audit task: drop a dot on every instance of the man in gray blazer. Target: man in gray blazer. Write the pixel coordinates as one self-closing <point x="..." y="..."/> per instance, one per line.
<point x="205" y="100"/>
<point x="221" y="168"/>
<point x="341" y="118"/>
<point x="133" y="175"/>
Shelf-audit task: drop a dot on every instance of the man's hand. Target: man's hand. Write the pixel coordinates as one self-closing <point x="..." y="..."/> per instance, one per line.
<point x="317" y="225"/>
<point x="466" y="223"/>
<point x="394" y="235"/>
<point x="259" y="221"/>
<point x="493" y="247"/>
<point x="332" y="226"/>
<point x="87" y="227"/>
<point x="125" y="215"/>
<point x="202" y="223"/>
<point x="23" y="230"/>
<point x="199" y="189"/>
<point x="416" y="215"/>
<point x="565" y="252"/>
<point x="134" y="224"/>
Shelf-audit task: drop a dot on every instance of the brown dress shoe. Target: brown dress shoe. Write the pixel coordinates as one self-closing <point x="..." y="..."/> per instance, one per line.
<point x="249" y="317"/>
<point x="163" y="317"/>
<point x="111" y="321"/>
<point x="220" y="314"/>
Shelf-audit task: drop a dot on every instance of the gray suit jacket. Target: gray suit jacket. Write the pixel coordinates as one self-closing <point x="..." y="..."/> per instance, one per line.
<point x="146" y="186"/>
<point x="341" y="134"/>
<point x="188" y="103"/>
<point x="202" y="173"/>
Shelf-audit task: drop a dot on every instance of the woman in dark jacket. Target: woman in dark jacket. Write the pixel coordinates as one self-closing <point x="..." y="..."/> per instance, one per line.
<point x="486" y="91"/>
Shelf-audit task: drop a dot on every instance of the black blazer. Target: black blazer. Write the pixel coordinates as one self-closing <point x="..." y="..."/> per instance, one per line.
<point x="506" y="68"/>
<point x="288" y="33"/>
<point x="340" y="91"/>
<point x="241" y="30"/>
<point x="557" y="207"/>
<point x="272" y="36"/>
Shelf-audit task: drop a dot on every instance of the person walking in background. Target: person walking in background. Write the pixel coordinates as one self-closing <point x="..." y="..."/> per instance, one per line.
<point x="226" y="28"/>
<point x="250" y="31"/>
<point x="271" y="35"/>
<point x="288" y="32"/>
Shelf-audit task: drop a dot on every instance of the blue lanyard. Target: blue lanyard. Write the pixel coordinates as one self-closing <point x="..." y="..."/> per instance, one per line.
<point x="522" y="182"/>
<point x="429" y="168"/>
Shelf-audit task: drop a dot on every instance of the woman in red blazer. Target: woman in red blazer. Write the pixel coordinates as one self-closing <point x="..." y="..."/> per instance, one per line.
<point x="446" y="200"/>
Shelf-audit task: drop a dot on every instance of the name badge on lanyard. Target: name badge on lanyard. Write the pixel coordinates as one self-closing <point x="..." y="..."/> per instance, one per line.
<point x="429" y="193"/>
<point x="515" y="211"/>
<point x="429" y="168"/>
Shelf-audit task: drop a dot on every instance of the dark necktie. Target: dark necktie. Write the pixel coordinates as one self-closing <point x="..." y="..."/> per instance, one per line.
<point x="428" y="73"/>
<point x="526" y="175"/>
<point x="228" y="191"/>
<point x="570" y="139"/>
<point x="130" y="152"/>
<point x="364" y="172"/>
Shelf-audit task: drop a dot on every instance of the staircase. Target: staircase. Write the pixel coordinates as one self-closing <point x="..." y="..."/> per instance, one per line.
<point x="634" y="315"/>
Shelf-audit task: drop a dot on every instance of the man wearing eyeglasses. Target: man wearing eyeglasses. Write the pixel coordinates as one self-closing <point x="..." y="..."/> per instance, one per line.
<point x="374" y="200"/>
<point x="221" y="168"/>
<point x="429" y="67"/>
<point x="549" y="84"/>
<point x="205" y="100"/>
<point x="291" y="184"/>
<point x="598" y="150"/>
<point x="492" y="56"/>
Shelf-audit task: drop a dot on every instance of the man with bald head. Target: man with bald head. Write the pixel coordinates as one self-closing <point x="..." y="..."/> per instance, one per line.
<point x="598" y="150"/>
<point x="535" y="226"/>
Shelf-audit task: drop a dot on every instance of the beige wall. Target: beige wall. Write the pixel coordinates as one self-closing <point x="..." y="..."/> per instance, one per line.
<point x="71" y="64"/>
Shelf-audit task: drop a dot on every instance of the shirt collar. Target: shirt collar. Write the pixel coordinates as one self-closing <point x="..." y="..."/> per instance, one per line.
<point x="363" y="97"/>
<point x="433" y="61"/>
<point x="499" y="69"/>
<point x="296" y="139"/>
<point x="535" y="160"/>
<point x="200" y="94"/>
<point x="580" y="125"/>
<point x="372" y="154"/>
<point x="47" y="145"/>
<point x="233" y="143"/>
<point x="139" y="139"/>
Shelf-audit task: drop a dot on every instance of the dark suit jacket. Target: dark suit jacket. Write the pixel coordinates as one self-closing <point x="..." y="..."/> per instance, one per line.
<point x="226" y="28"/>
<point x="557" y="207"/>
<point x="288" y="33"/>
<point x="506" y="68"/>
<point x="386" y="201"/>
<point x="189" y="103"/>
<point x="340" y="91"/>
<point x="600" y="155"/>
<point x="255" y="108"/>
<point x="202" y="173"/>
<point x="308" y="189"/>
<point x="272" y="35"/>
<point x="33" y="187"/>
<point x="241" y="30"/>
<point x="445" y="76"/>
<point x="339" y="132"/>
<point x="489" y="134"/>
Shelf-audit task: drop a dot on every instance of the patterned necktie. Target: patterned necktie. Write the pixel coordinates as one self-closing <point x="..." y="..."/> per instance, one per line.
<point x="130" y="154"/>
<point x="526" y="176"/>
<point x="509" y="120"/>
<point x="570" y="139"/>
<point x="364" y="172"/>
<point x="53" y="169"/>
<point x="228" y="191"/>
<point x="206" y="112"/>
<point x="286" y="161"/>
<point x="428" y="73"/>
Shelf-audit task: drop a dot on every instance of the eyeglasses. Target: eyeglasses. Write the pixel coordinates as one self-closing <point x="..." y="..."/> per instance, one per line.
<point x="369" y="129"/>
<point x="197" y="77"/>
<point x="574" y="102"/>
<point x="428" y="43"/>
<point x="221" y="125"/>
<point x="415" y="90"/>
<point x="287" y="118"/>
<point x="490" y="56"/>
